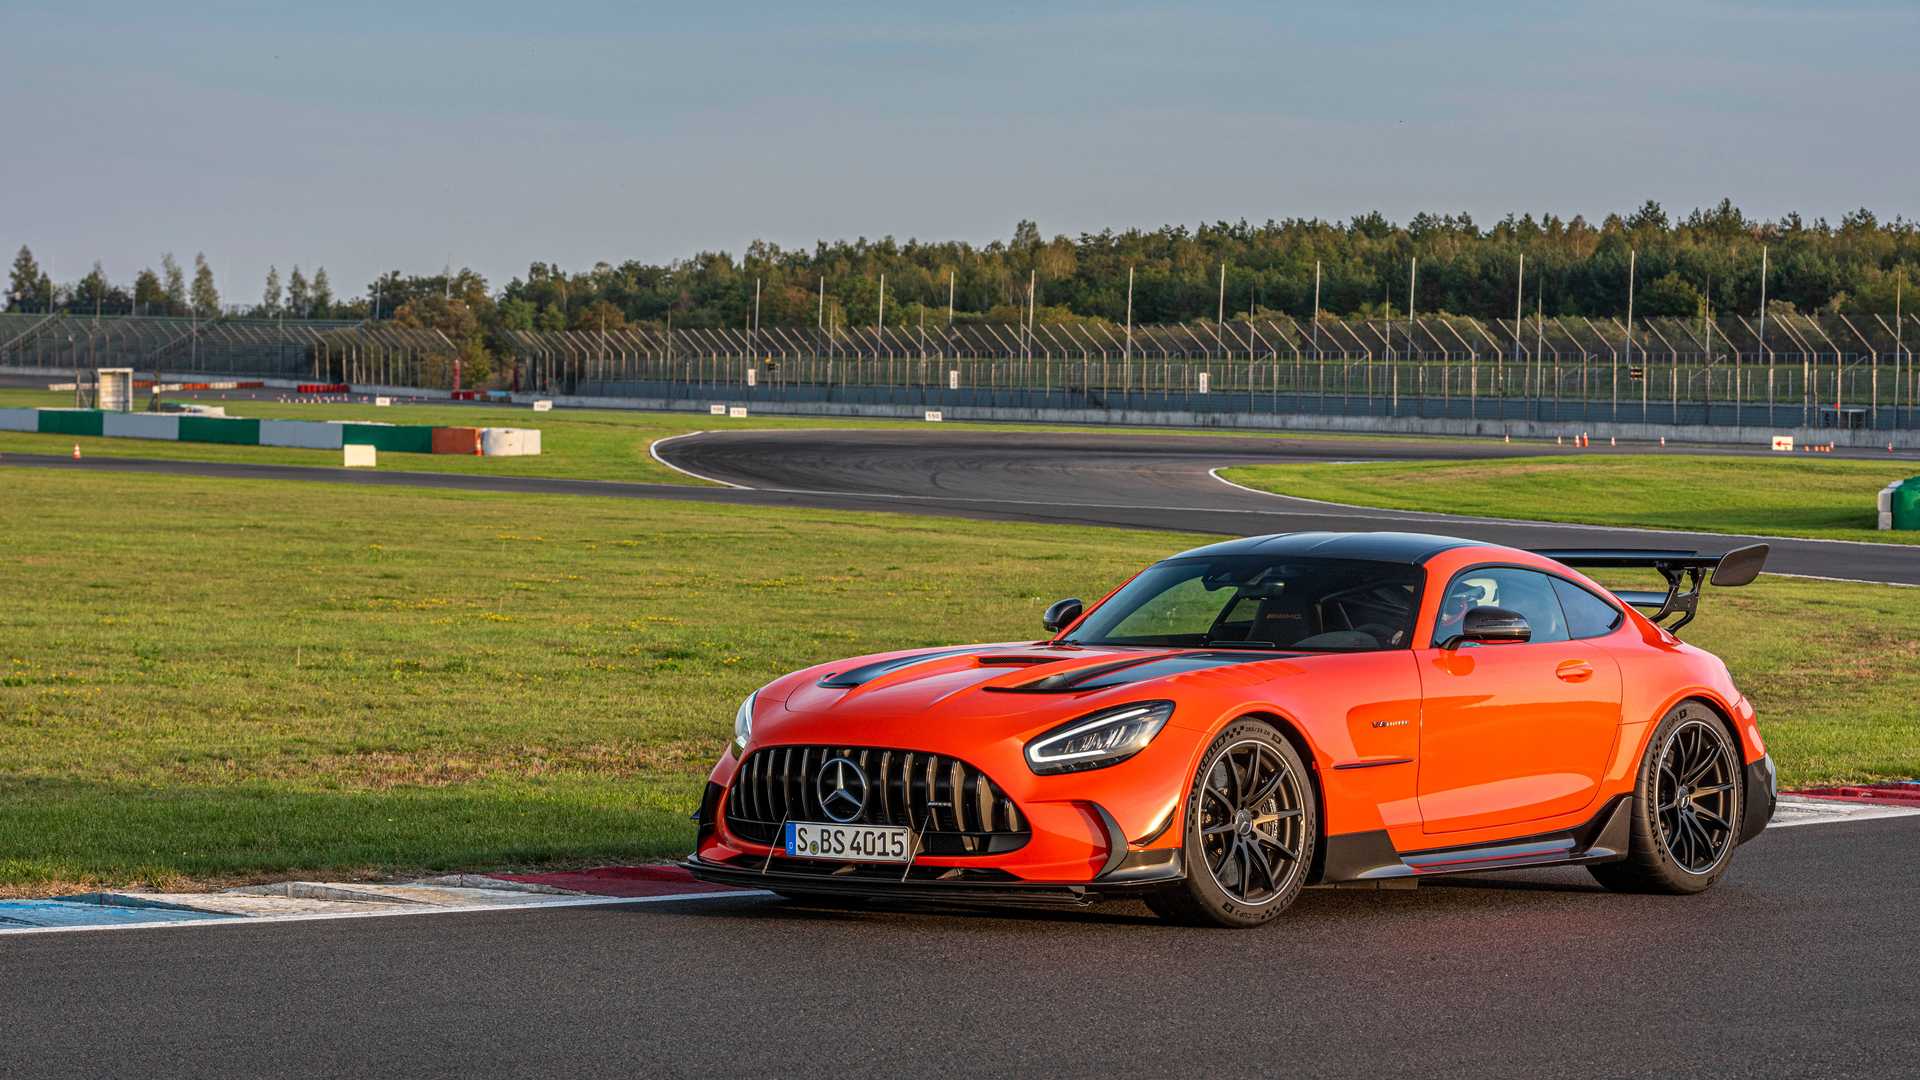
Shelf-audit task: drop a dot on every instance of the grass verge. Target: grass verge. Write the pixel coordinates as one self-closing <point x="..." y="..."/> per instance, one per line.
<point x="1822" y="498"/>
<point x="207" y="681"/>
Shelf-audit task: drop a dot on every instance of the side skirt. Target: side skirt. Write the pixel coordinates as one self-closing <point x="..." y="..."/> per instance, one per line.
<point x="1371" y="856"/>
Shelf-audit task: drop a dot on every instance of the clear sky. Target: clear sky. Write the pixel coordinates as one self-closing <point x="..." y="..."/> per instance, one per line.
<point x="368" y="136"/>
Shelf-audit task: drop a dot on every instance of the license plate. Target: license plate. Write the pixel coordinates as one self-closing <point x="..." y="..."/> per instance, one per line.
<point x="849" y="843"/>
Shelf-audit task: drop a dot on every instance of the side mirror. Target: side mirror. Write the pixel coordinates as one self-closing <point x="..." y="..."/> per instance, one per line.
<point x="1060" y="615"/>
<point x="1492" y="626"/>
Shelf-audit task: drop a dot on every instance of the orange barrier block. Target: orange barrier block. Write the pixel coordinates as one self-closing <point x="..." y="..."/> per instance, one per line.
<point x="456" y="440"/>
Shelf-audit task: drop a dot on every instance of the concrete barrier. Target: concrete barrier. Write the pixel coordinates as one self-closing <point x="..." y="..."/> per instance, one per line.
<point x="510" y="442"/>
<point x="303" y="434"/>
<point x="1260" y="421"/>
<point x="165" y="426"/>
<point x="19" y="420"/>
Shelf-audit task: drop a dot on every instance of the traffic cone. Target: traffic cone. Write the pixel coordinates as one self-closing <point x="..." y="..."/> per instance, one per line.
<point x="76" y="451"/>
<point x="1611" y="441"/>
<point x="1508" y="439"/>
<point x="1663" y="440"/>
<point x="1558" y="441"/>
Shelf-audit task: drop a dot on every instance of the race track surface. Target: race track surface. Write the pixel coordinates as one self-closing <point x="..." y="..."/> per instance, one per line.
<point x="1782" y="970"/>
<point x="1160" y="482"/>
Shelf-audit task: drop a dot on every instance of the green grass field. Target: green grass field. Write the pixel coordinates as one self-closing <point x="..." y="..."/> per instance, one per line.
<point x="205" y="681"/>
<point x="589" y="444"/>
<point x="1823" y="497"/>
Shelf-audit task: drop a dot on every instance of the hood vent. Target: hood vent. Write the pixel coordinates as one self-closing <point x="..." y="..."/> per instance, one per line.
<point x="1133" y="670"/>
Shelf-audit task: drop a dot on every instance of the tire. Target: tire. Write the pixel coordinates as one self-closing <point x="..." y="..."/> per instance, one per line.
<point x="1686" y="807"/>
<point x="1251" y="825"/>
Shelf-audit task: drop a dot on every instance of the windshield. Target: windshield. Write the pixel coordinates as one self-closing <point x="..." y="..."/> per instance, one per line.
<point x="1261" y="602"/>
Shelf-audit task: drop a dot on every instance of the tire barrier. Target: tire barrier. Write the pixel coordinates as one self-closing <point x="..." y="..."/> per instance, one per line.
<point x="300" y="434"/>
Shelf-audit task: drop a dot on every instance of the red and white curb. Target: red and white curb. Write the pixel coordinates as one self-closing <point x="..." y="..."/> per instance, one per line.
<point x="306" y="901"/>
<point x="1850" y="802"/>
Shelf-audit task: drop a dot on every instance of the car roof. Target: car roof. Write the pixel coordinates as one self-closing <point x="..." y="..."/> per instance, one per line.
<point x="1395" y="547"/>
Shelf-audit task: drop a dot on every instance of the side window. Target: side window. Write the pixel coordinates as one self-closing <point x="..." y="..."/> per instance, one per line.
<point x="1587" y="615"/>
<point x="1528" y="592"/>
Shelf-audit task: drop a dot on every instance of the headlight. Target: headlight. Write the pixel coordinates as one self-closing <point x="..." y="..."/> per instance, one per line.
<point x="743" y="721"/>
<point x="1105" y="738"/>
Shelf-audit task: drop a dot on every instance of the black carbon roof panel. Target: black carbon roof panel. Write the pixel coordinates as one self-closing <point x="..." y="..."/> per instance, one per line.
<point x="1395" y="547"/>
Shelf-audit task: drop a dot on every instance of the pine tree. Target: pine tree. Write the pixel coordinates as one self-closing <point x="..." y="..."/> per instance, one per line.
<point x="270" y="300"/>
<point x="149" y="297"/>
<point x="91" y="293"/>
<point x="299" y="299"/>
<point x="23" y="289"/>
<point x="322" y="294"/>
<point x="175" y="285"/>
<point x="206" y="298"/>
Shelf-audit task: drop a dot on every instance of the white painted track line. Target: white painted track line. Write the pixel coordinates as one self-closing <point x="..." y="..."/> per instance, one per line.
<point x="653" y="451"/>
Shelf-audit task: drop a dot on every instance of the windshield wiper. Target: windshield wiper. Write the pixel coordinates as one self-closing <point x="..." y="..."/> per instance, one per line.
<point x="1267" y="646"/>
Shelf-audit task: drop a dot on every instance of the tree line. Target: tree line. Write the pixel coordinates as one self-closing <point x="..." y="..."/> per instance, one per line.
<point x="1707" y="261"/>
<point x="167" y="292"/>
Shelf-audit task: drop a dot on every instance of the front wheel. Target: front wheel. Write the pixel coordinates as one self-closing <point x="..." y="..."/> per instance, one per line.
<point x="1686" y="808"/>
<point x="1251" y="822"/>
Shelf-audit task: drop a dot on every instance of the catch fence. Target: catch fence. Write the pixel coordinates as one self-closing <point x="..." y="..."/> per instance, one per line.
<point x="322" y="350"/>
<point x="1849" y="372"/>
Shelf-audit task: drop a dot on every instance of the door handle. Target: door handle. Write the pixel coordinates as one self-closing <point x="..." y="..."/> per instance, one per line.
<point x="1574" y="671"/>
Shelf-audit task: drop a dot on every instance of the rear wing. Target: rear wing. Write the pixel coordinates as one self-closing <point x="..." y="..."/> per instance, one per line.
<point x="1684" y="571"/>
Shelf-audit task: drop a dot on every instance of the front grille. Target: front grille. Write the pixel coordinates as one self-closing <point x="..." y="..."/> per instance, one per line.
<point x="953" y="806"/>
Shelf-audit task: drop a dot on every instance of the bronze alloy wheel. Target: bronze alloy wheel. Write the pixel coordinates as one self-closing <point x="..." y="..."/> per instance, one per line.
<point x="1694" y="797"/>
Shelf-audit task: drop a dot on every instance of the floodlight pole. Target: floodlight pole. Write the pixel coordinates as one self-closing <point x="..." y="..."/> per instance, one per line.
<point x="1632" y="258"/>
<point x="1220" y="317"/>
<point x="1413" y="275"/>
<point x="1128" y="356"/>
<point x="1316" y="330"/>
<point x="950" y="283"/>
<point x="1761" y="340"/>
<point x="1519" y="307"/>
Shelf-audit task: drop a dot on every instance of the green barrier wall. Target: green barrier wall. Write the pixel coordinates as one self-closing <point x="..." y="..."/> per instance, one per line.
<point x="389" y="440"/>
<point x="216" y="429"/>
<point x="73" y="422"/>
<point x="1906" y="505"/>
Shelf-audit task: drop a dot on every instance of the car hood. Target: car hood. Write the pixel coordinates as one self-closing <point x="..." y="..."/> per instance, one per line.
<point x="987" y="689"/>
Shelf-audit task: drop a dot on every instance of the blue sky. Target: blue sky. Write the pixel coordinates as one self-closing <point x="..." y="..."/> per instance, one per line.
<point x="367" y="136"/>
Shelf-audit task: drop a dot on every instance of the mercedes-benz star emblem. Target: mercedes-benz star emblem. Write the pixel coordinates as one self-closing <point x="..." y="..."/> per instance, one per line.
<point x="842" y="789"/>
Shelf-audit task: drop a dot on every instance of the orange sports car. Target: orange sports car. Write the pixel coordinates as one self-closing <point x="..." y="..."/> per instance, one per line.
<point x="1248" y="718"/>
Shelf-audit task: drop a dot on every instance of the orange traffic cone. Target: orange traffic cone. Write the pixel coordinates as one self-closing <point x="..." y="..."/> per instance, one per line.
<point x="76" y="451"/>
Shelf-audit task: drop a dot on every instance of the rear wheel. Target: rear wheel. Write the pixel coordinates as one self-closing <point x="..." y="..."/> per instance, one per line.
<point x="1250" y="826"/>
<point x="1686" y="807"/>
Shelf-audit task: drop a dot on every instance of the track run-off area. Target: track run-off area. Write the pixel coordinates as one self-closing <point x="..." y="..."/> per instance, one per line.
<point x="1781" y="970"/>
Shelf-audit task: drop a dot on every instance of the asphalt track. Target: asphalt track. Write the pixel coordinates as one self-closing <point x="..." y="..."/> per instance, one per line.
<point x="1782" y="970"/>
<point x="1160" y="482"/>
<point x="1796" y="965"/>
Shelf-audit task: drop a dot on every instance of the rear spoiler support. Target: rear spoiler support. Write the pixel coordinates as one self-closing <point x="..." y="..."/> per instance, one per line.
<point x="1685" y="572"/>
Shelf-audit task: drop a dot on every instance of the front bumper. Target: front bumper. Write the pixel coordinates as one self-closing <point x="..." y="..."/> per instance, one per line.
<point x="1112" y="867"/>
<point x="1762" y="795"/>
<point x="1142" y="872"/>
